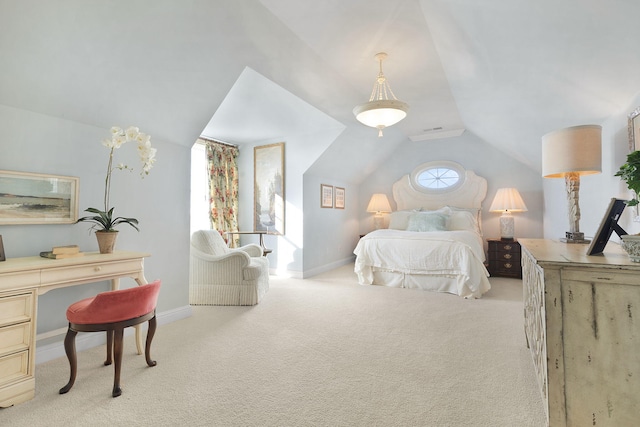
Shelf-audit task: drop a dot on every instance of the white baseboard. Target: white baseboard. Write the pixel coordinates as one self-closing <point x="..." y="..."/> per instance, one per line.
<point x="287" y="273"/>
<point x="88" y="340"/>
<point x="328" y="267"/>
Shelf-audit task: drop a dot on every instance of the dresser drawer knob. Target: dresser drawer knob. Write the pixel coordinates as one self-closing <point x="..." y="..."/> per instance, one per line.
<point x="507" y="247"/>
<point x="507" y="256"/>
<point x="508" y="265"/>
<point x="98" y="268"/>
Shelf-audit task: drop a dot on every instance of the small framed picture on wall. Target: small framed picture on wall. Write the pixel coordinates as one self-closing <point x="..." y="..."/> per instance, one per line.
<point x="339" y="198"/>
<point x="634" y="130"/>
<point x="326" y="196"/>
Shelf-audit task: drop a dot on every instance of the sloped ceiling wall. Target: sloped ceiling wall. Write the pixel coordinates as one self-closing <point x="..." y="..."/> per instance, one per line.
<point x="519" y="69"/>
<point x="508" y="71"/>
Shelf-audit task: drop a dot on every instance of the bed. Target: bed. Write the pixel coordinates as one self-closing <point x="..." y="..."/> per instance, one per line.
<point x="434" y="240"/>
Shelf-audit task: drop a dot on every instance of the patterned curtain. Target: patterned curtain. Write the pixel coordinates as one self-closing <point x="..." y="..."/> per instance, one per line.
<point x="222" y="169"/>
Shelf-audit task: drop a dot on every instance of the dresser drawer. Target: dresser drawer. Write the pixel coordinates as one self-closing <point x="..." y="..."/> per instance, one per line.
<point x="505" y="268"/>
<point x="500" y="246"/>
<point x="15" y="338"/>
<point x="506" y="257"/>
<point x="14" y="367"/>
<point x="16" y="308"/>
<point x="90" y="272"/>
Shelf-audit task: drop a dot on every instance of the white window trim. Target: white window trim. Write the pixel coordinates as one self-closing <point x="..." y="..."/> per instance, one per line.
<point x="442" y="164"/>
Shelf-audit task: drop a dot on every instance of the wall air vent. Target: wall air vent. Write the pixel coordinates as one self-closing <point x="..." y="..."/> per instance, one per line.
<point x="436" y="133"/>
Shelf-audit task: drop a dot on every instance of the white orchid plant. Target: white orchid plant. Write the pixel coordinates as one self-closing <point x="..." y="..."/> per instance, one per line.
<point x="103" y="219"/>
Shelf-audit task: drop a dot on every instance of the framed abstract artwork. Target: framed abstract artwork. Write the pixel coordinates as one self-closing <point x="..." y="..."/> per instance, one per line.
<point x="634" y="130"/>
<point x="30" y="198"/>
<point x="339" y="198"/>
<point x="268" y="190"/>
<point x="326" y="196"/>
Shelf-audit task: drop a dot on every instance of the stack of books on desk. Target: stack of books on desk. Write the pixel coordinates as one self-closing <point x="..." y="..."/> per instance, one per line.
<point x="60" y="252"/>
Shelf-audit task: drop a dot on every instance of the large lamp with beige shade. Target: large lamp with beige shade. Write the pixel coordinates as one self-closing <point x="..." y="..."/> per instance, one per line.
<point x="379" y="204"/>
<point x="570" y="153"/>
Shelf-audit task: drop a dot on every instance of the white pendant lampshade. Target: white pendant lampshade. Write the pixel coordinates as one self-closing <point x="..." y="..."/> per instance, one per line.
<point x="569" y="153"/>
<point x="378" y="204"/>
<point x="381" y="111"/>
<point x="507" y="200"/>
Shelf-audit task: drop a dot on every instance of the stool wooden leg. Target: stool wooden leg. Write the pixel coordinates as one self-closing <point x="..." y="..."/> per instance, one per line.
<point x="138" y="338"/>
<point x="150" y="333"/>
<point x="109" y="359"/>
<point x="117" y="355"/>
<point x="70" y="349"/>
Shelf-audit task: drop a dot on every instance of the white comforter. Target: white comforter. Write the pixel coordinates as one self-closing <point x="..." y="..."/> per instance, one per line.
<point x="447" y="261"/>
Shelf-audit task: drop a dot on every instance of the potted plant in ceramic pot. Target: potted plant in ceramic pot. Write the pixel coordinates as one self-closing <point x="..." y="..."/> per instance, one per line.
<point x="630" y="174"/>
<point x="104" y="222"/>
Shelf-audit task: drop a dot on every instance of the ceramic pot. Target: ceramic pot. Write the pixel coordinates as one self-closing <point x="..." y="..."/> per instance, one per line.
<point x="631" y="244"/>
<point x="106" y="241"/>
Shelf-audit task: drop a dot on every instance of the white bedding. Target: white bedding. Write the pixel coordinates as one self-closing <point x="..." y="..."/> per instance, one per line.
<point x="443" y="261"/>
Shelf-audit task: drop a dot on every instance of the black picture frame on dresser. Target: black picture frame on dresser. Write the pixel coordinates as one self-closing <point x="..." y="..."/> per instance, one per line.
<point x="607" y="226"/>
<point x="2" y="256"/>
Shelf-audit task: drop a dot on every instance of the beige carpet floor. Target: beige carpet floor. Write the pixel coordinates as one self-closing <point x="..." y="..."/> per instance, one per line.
<point x="317" y="352"/>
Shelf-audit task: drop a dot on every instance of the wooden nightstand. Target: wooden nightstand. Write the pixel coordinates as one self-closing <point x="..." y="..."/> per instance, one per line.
<point x="504" y="258"/>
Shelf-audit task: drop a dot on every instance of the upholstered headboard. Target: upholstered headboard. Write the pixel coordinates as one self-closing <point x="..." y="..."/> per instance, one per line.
<point x="468" y="193"/>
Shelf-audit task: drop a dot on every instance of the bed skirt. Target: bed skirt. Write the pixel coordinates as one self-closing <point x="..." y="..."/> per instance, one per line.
<point x="453" y="284"/>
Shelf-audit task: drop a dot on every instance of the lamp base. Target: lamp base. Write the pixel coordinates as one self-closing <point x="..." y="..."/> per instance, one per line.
<point x="506" y="226"/>
<point x="378" y="222"/>
<point x="575" y="237"/>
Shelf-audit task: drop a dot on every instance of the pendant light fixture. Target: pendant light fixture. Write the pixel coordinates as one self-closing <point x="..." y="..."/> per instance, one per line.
<point x="383" y="109"/>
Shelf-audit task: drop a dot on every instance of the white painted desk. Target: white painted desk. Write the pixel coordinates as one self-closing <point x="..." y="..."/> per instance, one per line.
<point x="21" y="281"/>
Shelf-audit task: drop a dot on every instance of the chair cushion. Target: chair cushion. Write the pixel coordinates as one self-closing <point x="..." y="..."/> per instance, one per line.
<point x="115" y="306"/>
<point x="209" y="242"/>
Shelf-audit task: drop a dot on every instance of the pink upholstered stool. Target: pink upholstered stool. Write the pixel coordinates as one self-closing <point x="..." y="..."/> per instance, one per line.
<point x="112" y="312"/>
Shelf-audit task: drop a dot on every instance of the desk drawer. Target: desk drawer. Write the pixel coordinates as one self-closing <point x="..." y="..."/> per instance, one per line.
<point x="19" y="280"/>
<point x="90" y="272"/>
<point x="16" y="308"/>
<point x="15" y="338"/>
<point x="14" y="367"/>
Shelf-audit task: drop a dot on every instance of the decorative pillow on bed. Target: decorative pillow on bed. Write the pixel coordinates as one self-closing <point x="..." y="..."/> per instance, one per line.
<point x="427" y="221"/>
<point x="399" y="220"/>
<point x="464" y="219"/>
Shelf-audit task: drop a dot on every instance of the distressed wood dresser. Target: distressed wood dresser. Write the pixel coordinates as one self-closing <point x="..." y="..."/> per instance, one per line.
<point x="582" y="324"/>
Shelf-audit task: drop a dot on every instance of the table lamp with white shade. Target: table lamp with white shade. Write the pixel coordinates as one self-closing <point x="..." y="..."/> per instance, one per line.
<point x="569" y="153"/>
<point x="507" y="200"/>
<point x="379" y="204"/>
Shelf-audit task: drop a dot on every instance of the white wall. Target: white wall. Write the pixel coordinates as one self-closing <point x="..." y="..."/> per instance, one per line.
<point x="43" y="144"/>
<point x="330" y="234"/>
<point x="473" y="154"/>
<point x="300" y="152"/>
<point x="596" y="191"/>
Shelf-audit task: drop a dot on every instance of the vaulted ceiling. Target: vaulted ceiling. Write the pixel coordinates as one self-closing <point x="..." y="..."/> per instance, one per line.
<point x="507" y="71"/>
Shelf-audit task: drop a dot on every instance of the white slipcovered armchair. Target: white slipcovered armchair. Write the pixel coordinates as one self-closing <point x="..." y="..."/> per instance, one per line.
<point x="219" y="275"/>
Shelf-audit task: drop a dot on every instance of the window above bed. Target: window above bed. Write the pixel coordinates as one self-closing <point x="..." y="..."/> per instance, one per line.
<point x="437" y="177"/>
